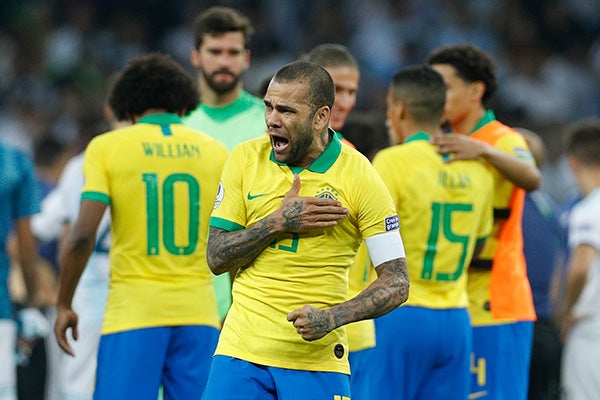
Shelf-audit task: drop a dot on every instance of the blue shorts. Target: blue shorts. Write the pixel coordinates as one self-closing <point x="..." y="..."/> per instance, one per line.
<point x="234" y="379"/>
<point x="500" y="361"/>
<point x="360" y="373"/>
<point x="422" y="353"/>
<point x="133" y="364"/>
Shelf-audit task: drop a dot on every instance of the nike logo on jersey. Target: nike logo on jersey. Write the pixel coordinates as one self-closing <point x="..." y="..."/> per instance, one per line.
<point x="255" y="196"/>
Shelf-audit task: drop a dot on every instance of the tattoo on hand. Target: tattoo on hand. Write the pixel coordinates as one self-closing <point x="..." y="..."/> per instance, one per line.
<point x="291" y="215"/>
<point x="319" y="321"/>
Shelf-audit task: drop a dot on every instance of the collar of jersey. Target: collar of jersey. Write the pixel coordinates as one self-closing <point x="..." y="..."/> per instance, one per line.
<point x="324" y="161"/>
<point x="488" y="117"/>
<point x="160" y="119"/>
<point x="239" y="105"/>
<point x="420" y="135"/>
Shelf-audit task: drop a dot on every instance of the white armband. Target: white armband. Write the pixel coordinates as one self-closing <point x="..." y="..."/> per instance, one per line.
<point x="385" y="247"/>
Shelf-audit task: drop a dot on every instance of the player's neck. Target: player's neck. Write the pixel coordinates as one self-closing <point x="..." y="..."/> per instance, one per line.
<point x="467" y="124"/>
<point x="210" y="98"/>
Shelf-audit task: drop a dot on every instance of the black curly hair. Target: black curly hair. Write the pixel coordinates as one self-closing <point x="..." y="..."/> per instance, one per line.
<point x="153" y="81"/>
<point x="471" y="64"/>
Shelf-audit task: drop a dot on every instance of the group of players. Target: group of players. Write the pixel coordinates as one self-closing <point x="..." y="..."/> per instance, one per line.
<point x="314" y="235"/>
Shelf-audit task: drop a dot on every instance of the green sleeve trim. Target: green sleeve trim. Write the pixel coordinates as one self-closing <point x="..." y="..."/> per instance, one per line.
<point x="225" y="224"/>
<point x="96" y="196"/>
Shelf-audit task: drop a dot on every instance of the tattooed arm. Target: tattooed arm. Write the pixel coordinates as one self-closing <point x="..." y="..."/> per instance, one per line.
<point x="230" y="250"/>
<point x="387" y="292"/>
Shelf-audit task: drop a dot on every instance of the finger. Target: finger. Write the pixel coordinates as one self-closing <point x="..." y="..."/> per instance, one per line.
<point x="61" y="338"/>
<point x="295" y="186"/>
<point x="293" y="315"/>
<point x="74" y="332"/>
<point x="332" y="210"/>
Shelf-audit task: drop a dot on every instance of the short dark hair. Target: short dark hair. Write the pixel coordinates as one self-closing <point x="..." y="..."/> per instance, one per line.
<point x="219" y="20"/>
<point x="321" y="90"/>
<point x="153" y="81"/>
<point x="423" y="91"/>
<point x="471" y="64"/>
<point x="583" y="141"/>
<point x="331" y="55"/>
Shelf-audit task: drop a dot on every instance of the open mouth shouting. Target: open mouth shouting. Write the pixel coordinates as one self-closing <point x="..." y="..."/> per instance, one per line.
<point x="279" y="143"/>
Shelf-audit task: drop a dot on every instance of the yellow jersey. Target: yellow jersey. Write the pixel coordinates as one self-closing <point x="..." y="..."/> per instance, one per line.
<point x="160" y="179"/>
<point x="445" y="210"/>
<point x="296" y="269"/>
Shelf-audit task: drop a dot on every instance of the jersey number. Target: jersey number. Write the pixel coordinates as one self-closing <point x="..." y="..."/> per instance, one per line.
<point x="292" y="247"/>
<point x="442" y="218"/>
<point x="168" y="213"/>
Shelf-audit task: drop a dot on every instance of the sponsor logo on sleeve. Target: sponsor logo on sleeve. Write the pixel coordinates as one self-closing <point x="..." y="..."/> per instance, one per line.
<point x="392" y="223"/>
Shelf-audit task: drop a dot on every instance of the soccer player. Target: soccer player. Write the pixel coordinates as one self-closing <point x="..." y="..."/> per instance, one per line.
<point x="59" y="212"/>
<point x="160" y="180"/>
<point x="344" y="70"/>
<point x="580" y="372"/>
<point x="501" y="304"/>
<point x="448" y="221"/>
<point x="292" y="210"/>
<point x="227" y="112"/>
<point x="221" y="54"/>
<point x="19" y="199"/>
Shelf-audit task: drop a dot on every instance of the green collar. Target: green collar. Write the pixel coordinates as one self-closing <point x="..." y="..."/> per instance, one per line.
<point x="239" y="105"/>
<point x="487" y="118"/>
<point x="420" y="135"/>
<point x="160" y="119"/>
<point x="324" y="161"/>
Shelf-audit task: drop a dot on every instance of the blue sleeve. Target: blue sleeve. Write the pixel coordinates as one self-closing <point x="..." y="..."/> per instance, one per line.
<point x="27" y="193"/>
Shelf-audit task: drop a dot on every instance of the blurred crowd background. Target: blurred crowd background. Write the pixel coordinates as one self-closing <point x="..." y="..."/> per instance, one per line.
<point x="56" y="55"/>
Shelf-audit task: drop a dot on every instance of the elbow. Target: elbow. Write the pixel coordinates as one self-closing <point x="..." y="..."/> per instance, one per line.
<point x="534" y="184"/>
<point x="216" y="266"/>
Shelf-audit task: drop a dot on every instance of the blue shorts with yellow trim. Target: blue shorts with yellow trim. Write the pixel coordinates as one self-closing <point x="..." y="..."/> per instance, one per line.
<point x="500" y="361"/>
<point x="422" y="353"/>
<point x="234" y="379"/>
<point x="133" y="364"/>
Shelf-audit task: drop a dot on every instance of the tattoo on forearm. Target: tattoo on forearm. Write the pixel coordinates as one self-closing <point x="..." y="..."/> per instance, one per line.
<point x="230" y="250"/>
<point x="382" y="296"/>
<point x="292" y="215"/>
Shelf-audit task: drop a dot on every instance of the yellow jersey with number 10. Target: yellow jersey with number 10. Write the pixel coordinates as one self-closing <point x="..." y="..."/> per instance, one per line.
<point x="160" y="179"/>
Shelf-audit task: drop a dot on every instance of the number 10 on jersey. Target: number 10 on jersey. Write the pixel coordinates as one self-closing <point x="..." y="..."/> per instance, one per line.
<point x="161" y="199"/>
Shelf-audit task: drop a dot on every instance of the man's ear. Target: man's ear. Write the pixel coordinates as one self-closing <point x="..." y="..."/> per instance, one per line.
<point x="195" y="58"/>
<point x="478" y="90"/>
<point x="321" y="118"/>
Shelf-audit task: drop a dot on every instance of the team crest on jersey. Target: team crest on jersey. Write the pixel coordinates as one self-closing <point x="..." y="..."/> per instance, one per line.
<point x="327" y="193"/>
<point x="220" y="195"/>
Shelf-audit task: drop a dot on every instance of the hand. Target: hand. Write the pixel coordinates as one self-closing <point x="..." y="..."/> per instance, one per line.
<point x="301" y="214"/>
<point x="459" y="147"/>
<point x="312" y="323"/>
<point x="66" y="318"/>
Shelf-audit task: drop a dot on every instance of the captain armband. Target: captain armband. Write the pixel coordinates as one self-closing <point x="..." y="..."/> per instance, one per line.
<point x="385" y="247"/>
